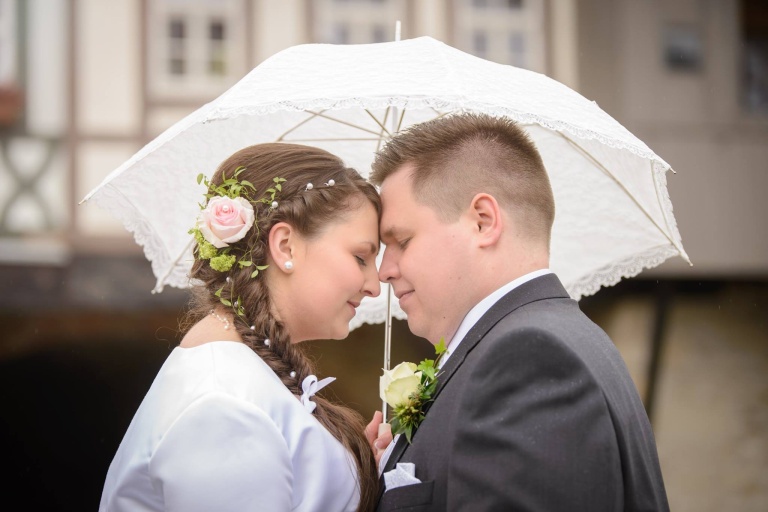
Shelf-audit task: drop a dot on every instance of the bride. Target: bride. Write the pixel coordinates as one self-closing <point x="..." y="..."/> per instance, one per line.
<point x="285" y="252"/>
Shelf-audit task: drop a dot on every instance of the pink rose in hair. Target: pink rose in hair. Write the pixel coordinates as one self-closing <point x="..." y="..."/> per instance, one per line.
<point x="225" y="220"/>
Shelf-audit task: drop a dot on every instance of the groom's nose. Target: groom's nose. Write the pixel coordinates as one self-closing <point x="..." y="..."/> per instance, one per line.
<point x="388" y="271"/>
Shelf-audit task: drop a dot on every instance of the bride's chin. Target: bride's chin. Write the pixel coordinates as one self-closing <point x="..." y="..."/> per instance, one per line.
<point x="340" y="333"/>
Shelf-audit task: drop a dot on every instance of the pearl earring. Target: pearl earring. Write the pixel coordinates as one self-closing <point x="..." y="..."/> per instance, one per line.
<point x="288" y="265"/>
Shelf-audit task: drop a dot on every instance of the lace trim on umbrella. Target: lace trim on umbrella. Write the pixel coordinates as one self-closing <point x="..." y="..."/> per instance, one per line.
<point x="612" y="274"/>
<point x="375" y="312"/>
<point x="117" y="204"/>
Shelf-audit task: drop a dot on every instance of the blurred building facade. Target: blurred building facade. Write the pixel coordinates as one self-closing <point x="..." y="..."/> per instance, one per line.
<point x="84" y="84"/>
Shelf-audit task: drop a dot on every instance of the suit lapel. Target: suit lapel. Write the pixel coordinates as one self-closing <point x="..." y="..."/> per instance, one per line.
<point x="547" y="286"/>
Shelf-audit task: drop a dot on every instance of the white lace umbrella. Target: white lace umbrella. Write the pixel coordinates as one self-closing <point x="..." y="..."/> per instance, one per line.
<point x="614" y="217"/>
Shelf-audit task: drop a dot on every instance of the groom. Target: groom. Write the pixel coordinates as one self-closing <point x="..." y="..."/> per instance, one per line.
<point x="534" y="408"/>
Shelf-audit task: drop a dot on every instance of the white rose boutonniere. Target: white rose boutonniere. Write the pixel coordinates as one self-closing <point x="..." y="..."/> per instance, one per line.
<point x="407" y="388"/>
<point x="396" y="385"/>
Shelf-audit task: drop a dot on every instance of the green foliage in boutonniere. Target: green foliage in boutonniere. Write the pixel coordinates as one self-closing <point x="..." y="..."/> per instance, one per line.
<point x="408" y="388"/>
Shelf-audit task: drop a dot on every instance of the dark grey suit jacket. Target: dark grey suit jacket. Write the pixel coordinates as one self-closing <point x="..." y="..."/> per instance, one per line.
<point x="534" y="411"/>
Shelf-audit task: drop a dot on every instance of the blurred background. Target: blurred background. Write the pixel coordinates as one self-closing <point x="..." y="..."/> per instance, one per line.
<point x="84" y="84"/>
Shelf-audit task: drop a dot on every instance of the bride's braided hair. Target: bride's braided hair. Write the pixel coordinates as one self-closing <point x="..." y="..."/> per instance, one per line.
<point x="309" y="212"/>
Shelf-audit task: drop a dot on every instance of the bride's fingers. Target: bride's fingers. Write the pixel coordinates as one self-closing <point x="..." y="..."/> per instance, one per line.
<point x="382" y="441"/>
<point x="379" y="435"/>
<point x="372" y="429"/>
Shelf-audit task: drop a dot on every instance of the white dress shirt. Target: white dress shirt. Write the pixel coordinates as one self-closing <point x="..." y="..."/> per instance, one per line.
<point x="218" y="430"/>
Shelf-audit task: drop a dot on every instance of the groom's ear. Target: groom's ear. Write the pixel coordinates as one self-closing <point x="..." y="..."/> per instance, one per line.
<point x="487" y="220"/>
<point x="282" y="239"/>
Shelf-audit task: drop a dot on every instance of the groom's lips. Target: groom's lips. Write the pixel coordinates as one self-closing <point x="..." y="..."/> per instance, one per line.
<point x="404" y="295"/>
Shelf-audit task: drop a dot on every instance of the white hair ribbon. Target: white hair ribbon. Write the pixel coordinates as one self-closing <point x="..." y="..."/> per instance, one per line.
<point x="310" y="386"/>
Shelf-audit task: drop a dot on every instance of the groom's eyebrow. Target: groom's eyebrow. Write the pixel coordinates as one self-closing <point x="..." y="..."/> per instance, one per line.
<point x="391" y="232"/>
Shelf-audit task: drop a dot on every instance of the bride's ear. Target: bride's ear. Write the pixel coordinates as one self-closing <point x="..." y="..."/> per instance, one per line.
<point x="282" y="241"/>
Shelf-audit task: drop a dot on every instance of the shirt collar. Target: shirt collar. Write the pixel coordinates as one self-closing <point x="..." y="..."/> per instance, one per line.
<point x="471" y="318"/>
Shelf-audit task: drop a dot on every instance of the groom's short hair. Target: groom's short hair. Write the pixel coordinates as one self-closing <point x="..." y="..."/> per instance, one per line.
<point x="455" y="157"/>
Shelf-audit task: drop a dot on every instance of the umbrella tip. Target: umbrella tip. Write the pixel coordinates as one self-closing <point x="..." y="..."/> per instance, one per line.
<point x="685" y="257"/>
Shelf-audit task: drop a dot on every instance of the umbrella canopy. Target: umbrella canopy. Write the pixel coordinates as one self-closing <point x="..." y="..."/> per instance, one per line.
<point x="614" y="216"/>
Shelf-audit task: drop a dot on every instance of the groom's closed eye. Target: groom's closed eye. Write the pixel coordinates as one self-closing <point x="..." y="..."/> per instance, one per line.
<point x="392" y="235"/>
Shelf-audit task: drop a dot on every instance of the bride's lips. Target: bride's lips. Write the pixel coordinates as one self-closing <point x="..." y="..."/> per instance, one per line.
<point x="354" y="306"/>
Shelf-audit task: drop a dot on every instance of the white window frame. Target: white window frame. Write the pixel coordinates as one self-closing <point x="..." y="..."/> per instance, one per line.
<point x="499" y="23"/>
<point x="361" y="19"/>
<point x="197" y="81"/>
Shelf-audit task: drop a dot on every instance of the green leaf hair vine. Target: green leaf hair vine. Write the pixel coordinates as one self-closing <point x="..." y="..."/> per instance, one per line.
<point x="227" y="216"/>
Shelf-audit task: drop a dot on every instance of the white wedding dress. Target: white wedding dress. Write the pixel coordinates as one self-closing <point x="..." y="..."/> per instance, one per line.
<point x="218" y="431"/>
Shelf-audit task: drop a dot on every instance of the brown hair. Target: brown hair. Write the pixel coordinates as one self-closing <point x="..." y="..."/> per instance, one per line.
<point x="309" y="212"/>
<point x="453" y="158"/>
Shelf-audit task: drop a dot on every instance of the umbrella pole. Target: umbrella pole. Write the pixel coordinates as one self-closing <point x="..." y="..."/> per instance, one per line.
<point x="387" y="343"/>
<point x="388" y="319"/>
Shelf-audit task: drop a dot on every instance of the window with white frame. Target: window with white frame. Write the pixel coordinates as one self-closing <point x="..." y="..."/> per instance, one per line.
<point x="356" y="21"/>
<point x="177" y="47"/>
<point x="504" y="31"/>
<point x="196" y="47"/>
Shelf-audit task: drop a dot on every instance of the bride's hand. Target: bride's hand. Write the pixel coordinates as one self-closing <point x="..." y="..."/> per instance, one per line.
<point x="379" y="435"/>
